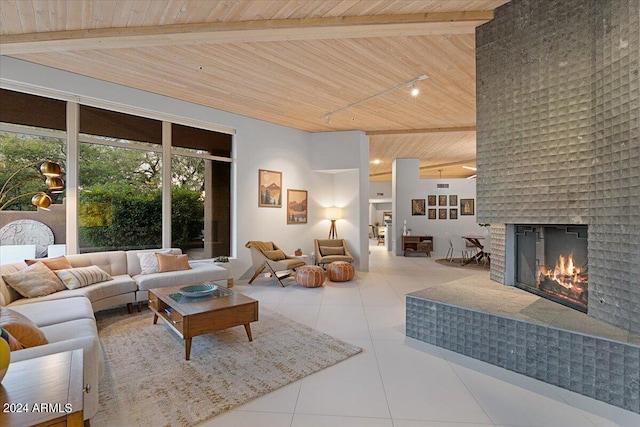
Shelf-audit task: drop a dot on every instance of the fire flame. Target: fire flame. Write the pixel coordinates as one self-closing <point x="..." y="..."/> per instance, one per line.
<point x="565" y="272"/>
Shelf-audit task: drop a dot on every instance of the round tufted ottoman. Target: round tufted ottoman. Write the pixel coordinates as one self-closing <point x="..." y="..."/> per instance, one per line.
<point x="310" y="276"/>
<point x="340" y="271"/>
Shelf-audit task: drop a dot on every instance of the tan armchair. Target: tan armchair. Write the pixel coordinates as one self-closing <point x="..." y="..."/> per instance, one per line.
<point x="330" y="250"/>
<point x="268" y="255"/>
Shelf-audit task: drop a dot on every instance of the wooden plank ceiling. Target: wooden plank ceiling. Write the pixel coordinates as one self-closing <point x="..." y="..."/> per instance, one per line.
<point x="283" y="61"/>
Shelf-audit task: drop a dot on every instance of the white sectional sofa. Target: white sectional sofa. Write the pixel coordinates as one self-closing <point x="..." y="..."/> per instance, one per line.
<point x="66" y="317"/>
<point x="127" y="286"/>
<point x="68" y="325"/>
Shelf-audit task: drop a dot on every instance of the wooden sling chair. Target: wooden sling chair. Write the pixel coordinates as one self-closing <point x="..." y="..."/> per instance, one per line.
<point x="268" y="255"/>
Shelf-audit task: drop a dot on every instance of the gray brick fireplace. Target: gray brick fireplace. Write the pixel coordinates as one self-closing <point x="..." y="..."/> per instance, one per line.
<point x="558" y="145"/>
<point x="558" y="137"/>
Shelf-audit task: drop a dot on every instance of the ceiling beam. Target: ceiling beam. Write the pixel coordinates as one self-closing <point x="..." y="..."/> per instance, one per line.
<point x="418" y="131"/>
<point x="432" y="167"/>
<point x="246" y="31"/>
<point x="443" y="165"/>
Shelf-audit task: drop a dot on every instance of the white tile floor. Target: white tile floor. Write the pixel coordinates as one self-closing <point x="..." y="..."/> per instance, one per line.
<point x="397" y="381"/>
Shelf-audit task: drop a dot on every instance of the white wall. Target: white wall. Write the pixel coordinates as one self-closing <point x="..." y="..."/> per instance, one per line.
<point x="257" y="145"/>
<point x="407" y="186"/>
<point x="380" y="192"/>
<point x="345" y="157"/>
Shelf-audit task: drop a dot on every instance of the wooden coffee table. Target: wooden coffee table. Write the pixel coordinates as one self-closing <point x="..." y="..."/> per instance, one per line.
<point x="190" y="317"/>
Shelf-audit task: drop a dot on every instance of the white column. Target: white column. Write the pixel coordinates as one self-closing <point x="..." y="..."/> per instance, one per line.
<point x="166" y="184"/>
<point x="71" y="198"/>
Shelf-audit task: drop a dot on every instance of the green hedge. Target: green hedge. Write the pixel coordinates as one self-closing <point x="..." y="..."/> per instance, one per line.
<point x="116" y="216"/>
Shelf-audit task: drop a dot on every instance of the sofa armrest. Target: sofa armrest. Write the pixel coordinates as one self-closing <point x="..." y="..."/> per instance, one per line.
<point x="93" y="364"/>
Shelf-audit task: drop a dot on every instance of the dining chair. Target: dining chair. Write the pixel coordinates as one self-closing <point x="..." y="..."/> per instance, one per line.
<point x="456" y="245"/>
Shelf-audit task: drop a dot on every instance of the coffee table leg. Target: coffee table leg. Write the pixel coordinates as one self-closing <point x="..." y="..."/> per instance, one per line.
<point x="155" y="318"/>
<point x="247" y="327"/>
<point x="187" y="348"/>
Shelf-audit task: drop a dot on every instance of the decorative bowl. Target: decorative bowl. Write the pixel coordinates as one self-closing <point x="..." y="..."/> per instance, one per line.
<point x="195" y="291"/>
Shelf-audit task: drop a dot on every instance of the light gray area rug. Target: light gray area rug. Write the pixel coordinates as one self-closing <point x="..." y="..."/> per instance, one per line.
<point x="148" y="381"/>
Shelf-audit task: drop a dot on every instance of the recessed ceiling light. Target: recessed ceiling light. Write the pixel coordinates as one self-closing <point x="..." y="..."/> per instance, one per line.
<point x="376" y="162"/>
<point x="415" y="91"/>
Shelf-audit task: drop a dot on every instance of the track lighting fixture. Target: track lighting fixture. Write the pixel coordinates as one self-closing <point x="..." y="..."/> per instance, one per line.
<point x="411" y="84"/>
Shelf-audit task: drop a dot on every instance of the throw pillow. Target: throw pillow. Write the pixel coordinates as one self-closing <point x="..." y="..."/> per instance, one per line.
<point x="23" y="329"/>
<point x="149" y="262"/>
<point x="276" y="255"/>
<point x="37" y="280"/>
<point x="56" y="263"/>
<point x="331" y="250"/>
<point x="168" y="262"/>
<point x="14" y="344"/>
<point x="80" y="277"/>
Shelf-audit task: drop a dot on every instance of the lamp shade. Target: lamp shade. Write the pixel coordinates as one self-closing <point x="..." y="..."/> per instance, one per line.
<point x="54" y="183"/>
<point x="333" y="213"/>
<point x="49" y="169"/>
<point x="41" y="200"/>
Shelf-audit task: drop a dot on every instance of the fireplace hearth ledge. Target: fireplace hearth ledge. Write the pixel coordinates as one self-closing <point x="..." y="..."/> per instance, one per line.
<point x="527" y="334"/>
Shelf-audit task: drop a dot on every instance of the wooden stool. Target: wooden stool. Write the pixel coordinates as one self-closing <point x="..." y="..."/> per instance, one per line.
<point x="310" y="276"/>
<point x="340" y="271"/>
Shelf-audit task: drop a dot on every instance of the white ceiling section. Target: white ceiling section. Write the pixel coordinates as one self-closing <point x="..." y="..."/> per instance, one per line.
<point x="282" y="61"/>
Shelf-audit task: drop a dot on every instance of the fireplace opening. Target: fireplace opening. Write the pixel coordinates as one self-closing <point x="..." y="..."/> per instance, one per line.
<point x="551" y="261"/>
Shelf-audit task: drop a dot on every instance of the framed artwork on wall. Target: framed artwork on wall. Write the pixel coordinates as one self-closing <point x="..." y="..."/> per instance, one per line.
<point x="386" y="217"/>
<point x="269" y="188"/>
<point x="467" y="207"/>
<point x="431" y="200"/>
<point x="296" y="206"/>
<point x="453" y="200"/>
<point x="418" y="207"/>
<point x="432" y="214"/>
<point x="442" y="214"/>
<point x="453" y="213"/>
<point x="442" y="200"/>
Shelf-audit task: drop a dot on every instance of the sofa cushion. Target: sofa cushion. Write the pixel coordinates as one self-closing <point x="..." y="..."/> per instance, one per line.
<point x="71" y="329"/>
<point x="149" y="261"/>
<point x="331" y="250"/>
<point x="275" y="255"/>
<point x="7" y="293"/>
<point x="35" y="280"/>
<point x="56" y="263"/>
<point x="169" y="262"/>
<point x="44" y="313"/>
<point x="23" y="329"/>
<point x="80" y="277"/>
<point x="113" y="262"/>
<point x="14" y="344"/>
<point x="200" y="272"/>
<point x="119" y="285"/>
<point x="133" y="259"/>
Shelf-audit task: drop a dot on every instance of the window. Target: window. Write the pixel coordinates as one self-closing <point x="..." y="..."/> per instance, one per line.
<point x="120" y="185"/>
<point x="27" y="139"/>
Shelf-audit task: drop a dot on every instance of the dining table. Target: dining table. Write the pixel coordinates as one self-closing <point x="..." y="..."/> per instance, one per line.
<point x="476" y="240"/>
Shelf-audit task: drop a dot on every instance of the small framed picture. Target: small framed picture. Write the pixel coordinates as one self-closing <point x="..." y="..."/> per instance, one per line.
<point x="453" y="213"/>
<point x="442" y="213"/>
<point x="432" y="214"/>
<point x="431" y="200"/>
<point x="269" y="188"/>
<point x="467" y="207"/>
<point x="453" y="200"/>
<point x="296" y="206"/>
<point x="442" y="200"/>
<point x="417" y="207"/>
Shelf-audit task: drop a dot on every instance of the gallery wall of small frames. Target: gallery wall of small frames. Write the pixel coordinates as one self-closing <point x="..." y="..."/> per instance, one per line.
<point x="442" y="207"/>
